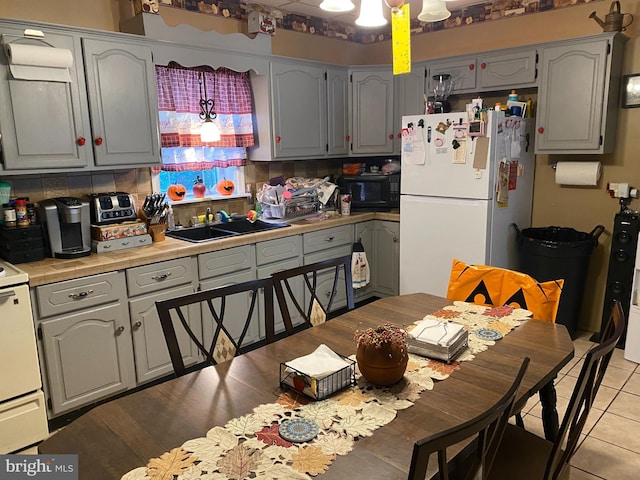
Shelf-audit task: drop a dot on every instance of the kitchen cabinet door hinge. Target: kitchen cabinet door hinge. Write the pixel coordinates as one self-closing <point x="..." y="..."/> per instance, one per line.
<point x="39" y="333"/>
<point x="325" y="76"/>
<point x="608" y="48"/>
<point x="326" y="147"/>
<point x="600" y="140"/>
<point x="351" y="78"/>
<point x="49" y="404"/>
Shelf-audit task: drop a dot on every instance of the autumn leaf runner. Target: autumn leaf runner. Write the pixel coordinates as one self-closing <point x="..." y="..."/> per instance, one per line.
<point x="251" y="446"/>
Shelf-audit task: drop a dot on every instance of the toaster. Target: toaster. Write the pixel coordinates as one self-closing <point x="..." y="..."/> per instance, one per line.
<point x="114" y="207"/>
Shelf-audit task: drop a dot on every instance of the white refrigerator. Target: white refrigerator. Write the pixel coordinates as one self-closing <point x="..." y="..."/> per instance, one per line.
<point x="462" y="189"/>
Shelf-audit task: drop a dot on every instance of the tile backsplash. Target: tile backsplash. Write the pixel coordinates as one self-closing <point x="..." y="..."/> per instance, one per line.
<point x="137" y="181"/>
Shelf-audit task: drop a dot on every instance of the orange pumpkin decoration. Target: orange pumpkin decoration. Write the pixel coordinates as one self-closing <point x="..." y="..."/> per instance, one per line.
<point x="176" y="192"/>
<point x="225" y="187"/>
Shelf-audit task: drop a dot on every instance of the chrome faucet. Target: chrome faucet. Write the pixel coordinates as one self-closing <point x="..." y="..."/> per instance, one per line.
<point x="208" y="214"/>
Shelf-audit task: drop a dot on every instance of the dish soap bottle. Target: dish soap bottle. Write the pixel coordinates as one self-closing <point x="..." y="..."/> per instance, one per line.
<point x="513" y="96"/>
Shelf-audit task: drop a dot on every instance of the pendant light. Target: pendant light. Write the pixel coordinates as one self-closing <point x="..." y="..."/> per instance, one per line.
<point x="337" y="5"/>
<point x="209" y="131"/>
<point x="371" y="14"/>
<point x="433" y="11"/>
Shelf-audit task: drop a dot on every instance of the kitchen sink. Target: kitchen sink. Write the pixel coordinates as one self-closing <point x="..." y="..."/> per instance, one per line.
<point x="207" y="233"/>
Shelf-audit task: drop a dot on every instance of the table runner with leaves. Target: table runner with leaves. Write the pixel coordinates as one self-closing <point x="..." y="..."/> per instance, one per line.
<point x="250" y="446"/>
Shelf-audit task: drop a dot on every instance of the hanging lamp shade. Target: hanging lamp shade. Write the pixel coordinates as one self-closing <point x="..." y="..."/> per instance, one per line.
<point x="337" y="5"/>
<point x="433" y="11"/>
<point x="209" y="131"/>
<point x="371" y="14"/>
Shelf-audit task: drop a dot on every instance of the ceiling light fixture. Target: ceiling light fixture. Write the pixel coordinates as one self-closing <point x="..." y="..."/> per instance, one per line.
<point x="209" y="131"/>
<point x="337" y="5"/>
<point x="371" y="14"/>
<point x="433" y="11"/>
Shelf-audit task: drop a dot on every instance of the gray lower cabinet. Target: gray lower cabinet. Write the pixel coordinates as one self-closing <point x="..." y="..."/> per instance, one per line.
<point x="387" y="258"/>
<point x="324" y="245"/>
<point x="84" y="340"/>
<point x="579" y="116"/>
<point x="146" y="285"/>
<point x="275" y="256"/>
<point x="224" y="268"/>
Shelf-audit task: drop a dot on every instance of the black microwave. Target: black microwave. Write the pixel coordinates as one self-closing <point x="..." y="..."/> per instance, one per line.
<point x="373" y="192"/>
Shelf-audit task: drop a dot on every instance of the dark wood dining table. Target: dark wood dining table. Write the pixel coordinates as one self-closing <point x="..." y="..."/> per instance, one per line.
<point x="120" y="435"/>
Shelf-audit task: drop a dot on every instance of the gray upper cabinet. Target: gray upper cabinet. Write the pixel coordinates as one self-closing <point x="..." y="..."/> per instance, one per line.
<point x="123" y="102"/>
<point x="372" y="114"/>
<point x="409" y="91"/>
<point x="507" y="69"/>
<point x="338" y="111"/>
<point x="41" y="120"/>
<point x="299" y="110"/>
<point x="105" y="117"/>
<point x="461" y="69"/>
<point x="579" y="95"/>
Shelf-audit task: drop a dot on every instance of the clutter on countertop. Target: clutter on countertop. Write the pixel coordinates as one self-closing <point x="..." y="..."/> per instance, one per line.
<point x="296" y="197"/>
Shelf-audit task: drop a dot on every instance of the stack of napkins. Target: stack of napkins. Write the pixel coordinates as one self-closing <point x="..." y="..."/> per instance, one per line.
<point x="323" y="372"/>
<point x="439" y="340"/>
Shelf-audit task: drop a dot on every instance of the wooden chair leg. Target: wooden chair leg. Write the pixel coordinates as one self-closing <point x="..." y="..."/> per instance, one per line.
<point x="519" y="420"/>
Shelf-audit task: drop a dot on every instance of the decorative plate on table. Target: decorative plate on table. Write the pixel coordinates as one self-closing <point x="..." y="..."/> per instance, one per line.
<point x="488" y="334"/>
<point x="299" y="429"/>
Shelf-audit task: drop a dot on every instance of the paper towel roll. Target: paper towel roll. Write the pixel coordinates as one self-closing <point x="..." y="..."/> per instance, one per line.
<point x="578" y="173"/>
<point x="33" y="62"/>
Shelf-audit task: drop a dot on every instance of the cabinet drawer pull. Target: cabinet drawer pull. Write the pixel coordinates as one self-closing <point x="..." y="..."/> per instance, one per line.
<point x="136" y="325"/>
<point x="162" y="277"/>
<point x="329" y="239"/>
<point x="119" y="330"/>
<point x="79" y="295"/>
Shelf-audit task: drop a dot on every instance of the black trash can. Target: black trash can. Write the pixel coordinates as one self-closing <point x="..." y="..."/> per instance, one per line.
<point x="551" y="253"/>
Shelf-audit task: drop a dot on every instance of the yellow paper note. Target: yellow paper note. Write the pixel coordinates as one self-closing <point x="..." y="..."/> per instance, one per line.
<point x="401" y="40"/>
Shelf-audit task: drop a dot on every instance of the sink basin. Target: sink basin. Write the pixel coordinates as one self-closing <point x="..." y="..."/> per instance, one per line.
<point x="245" y="226"/>
<point x="208" y="233"/>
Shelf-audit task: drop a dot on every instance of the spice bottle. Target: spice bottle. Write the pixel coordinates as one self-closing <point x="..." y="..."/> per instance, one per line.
<point x="9" y="214"/>
<point x="22" y="220"/>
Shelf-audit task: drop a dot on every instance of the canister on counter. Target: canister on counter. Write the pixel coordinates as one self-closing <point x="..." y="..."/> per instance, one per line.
<point x="9" y="215"/>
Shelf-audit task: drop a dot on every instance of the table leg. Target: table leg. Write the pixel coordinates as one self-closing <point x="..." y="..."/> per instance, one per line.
<point x="548" y="400"/>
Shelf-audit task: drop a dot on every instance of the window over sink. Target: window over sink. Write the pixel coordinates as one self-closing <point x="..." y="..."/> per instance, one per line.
<point x="186" y="159"/>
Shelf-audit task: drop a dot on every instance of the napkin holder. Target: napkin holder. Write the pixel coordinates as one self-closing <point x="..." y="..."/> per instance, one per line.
<point x="318" y="388"/>
<point x="443" y="352"/>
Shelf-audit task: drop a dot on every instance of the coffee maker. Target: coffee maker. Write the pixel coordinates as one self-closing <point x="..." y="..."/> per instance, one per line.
<point x="66" y="222"/>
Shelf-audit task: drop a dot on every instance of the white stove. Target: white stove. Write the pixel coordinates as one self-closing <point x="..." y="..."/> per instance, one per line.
<point x="23" y="417"/>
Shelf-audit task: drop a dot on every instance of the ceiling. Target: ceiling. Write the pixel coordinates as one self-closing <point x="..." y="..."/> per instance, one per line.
<point x="311" y="8"/>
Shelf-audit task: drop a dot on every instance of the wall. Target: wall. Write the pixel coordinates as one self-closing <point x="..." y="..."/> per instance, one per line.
<point x="580" y="208"/>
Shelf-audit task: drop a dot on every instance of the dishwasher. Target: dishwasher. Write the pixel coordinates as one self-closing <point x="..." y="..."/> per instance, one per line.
<point x="23" y="417"/>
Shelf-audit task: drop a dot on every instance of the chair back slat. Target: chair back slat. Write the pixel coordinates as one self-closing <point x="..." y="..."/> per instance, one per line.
<point x="304" y="302"/>
<point x="584" y="393"/>
<point x="488" y="426"/>
<point x="221" y="317"/>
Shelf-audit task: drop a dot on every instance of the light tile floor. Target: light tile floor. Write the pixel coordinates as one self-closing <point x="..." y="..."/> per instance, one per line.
<point x="610" y="448"/>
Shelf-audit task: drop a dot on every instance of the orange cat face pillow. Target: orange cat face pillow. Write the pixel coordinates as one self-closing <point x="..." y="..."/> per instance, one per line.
<point x="493" y="286"/>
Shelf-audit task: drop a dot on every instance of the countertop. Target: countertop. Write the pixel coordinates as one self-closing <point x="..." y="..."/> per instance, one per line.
<point x="52" y="270"/>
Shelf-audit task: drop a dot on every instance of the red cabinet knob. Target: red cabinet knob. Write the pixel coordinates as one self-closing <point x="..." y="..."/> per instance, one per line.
<point x="540" y="130"/>
<point x="471" y="66"/>
<point x="98" y="141"/>
<point x="81" y="141"/>
<point x="483" y="66"/>
<point x="277" y="139"/>
<point x="399" y="135"/>
<point x="391" y="136"/>
<point x="348" y="137"/>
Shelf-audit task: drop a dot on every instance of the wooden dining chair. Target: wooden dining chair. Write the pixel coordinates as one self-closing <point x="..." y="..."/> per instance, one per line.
<point x="475" y="461"/>
<point x="224" y="344"/>
<point x="312" y="304"/>
<point x="524" y="455"/>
